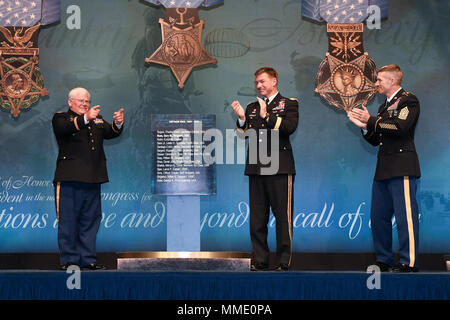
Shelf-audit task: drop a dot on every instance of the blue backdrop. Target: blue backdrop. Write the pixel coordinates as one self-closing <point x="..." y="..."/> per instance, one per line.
<point x="335" y="166"/>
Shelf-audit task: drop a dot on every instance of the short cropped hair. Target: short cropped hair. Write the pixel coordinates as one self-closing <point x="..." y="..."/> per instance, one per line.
<point x="74" y="91"/>
<point x="395" y="71"/>
<point x="270" y="71"/>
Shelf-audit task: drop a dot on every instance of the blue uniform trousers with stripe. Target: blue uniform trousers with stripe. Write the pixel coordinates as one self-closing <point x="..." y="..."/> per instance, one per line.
<point x="79" y="211"/>
<point x="396" y="196"/>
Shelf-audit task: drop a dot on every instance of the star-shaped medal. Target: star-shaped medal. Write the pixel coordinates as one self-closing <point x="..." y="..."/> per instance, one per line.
<point x="346" y="77"/>
<point x="181" y="48"/>
<point x="346" y="85"/>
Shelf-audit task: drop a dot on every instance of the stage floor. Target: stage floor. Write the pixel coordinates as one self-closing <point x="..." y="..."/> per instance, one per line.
<point x="208" y="285"/>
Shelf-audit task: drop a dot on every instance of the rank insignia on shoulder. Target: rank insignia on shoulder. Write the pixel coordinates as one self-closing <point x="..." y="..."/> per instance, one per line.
<point x="403" y="113"/>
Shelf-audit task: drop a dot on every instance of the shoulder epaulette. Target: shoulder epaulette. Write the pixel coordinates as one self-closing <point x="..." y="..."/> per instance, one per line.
<point x="293" y="99"/>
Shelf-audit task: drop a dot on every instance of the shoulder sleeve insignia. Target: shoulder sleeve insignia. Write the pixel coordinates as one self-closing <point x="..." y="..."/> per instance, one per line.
<point x="403" y="113"/>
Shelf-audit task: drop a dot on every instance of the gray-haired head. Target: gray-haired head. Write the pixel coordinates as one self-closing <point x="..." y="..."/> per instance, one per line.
<point x="75" y="91"/>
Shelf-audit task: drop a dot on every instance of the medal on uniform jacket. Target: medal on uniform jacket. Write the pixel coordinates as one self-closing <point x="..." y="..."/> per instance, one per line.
<point x="181" y="47"/>
<point x="347" y="75"/>
<point x="21" y="80"/>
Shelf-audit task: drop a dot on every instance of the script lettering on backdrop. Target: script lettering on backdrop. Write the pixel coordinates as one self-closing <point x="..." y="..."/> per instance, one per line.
<point x="346" y="77"/>
<point x="27" y="203"/>
<point x="21" y="81"/>
<point x="181" y="47"/>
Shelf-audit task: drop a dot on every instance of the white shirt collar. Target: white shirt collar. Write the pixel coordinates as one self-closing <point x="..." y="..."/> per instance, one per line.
<point x="393" y="95"/>
<point x="272" y="97"/>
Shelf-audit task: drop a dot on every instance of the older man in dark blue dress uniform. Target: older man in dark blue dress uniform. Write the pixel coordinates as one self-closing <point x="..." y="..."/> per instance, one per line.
<point x="80" y="171"/>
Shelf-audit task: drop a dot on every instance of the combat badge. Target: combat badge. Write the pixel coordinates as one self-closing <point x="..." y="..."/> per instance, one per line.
<point x="181" y="47"/>
<point x="21" y="80"/>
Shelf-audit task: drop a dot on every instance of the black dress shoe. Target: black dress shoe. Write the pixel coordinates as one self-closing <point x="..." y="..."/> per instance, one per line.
<point x="67" y="265"/>
<point x="383" y="266"/>
<point x="281" y="267"/>
<point x="94" y="266"/>
<point x="258" y="266"/>
<point x="401" y="267"/>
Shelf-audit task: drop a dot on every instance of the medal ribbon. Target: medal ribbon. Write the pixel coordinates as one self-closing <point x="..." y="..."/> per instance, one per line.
<point x="341" y="11"/>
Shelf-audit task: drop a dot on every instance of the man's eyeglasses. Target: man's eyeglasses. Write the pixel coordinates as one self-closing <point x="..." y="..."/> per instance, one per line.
<point x="82" y="100"/>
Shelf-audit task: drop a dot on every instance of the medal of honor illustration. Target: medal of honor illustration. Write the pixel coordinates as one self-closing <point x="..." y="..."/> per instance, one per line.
<point x="21" y="80"/>
<point x="347" y="75"/>
<point x="181" y="47"/>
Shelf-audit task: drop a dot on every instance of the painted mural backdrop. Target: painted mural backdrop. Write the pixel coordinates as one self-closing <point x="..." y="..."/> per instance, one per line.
<point x="335" y="167"/>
